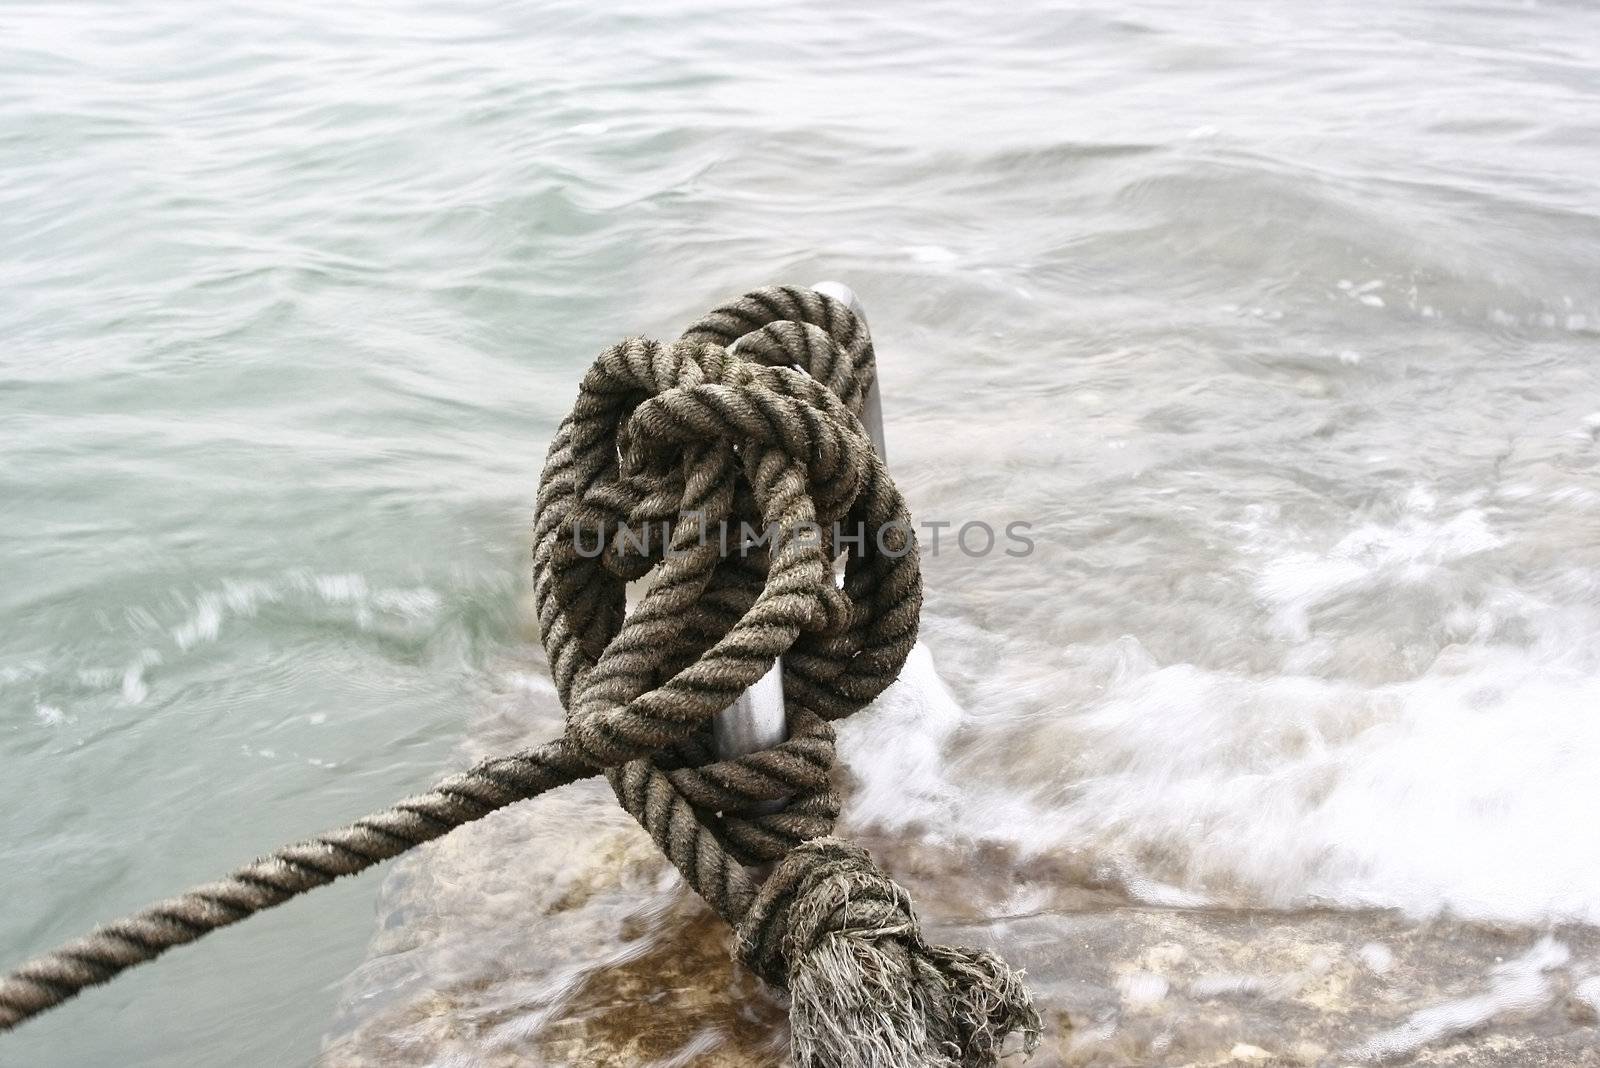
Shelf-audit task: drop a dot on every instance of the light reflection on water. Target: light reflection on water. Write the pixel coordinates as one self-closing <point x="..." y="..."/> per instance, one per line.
<point x="1278" y="326"/>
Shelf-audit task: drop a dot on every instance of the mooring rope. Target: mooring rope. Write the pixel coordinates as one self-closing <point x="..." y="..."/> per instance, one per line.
<point x="703" y="445"/>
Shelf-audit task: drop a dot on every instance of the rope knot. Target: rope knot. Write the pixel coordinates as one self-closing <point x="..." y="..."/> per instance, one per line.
<point x="751" y="418"/>
<point x="866" y="989"/>
<point x="726" y="469"/>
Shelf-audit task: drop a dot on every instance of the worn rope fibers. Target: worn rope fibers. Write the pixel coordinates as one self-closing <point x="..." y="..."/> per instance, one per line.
<point x="694" y="441"/>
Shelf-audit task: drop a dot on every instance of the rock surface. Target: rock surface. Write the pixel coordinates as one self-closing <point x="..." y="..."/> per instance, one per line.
<point x="576" y="945"/>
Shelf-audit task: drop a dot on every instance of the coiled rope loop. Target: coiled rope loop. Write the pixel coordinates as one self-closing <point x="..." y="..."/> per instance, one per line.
<point x="742" y="462"/>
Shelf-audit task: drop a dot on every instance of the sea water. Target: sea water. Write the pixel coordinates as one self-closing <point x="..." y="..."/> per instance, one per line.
<point x="1277" y="325"/>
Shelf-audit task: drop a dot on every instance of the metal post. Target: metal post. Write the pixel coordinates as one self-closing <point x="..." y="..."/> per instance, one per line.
<point x="756" y="720"/>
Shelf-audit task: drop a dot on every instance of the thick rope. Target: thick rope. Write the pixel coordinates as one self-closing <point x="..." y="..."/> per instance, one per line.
<point x="846" y="941"/>
<point x="47" y="981"/>
<point x="705" y="448"/>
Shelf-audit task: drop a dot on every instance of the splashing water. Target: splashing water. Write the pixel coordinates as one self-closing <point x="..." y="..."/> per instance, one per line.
<point x="1277" y="328"/>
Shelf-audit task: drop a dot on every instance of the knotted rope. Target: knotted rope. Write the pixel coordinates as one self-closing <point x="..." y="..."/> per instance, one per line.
<point x="694" y="441"/>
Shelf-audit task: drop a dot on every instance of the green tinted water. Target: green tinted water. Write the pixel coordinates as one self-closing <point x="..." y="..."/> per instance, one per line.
<point x="1279" y="325"/>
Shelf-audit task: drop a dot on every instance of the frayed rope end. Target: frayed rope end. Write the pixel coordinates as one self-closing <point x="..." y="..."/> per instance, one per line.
<point x="866" y="991"/>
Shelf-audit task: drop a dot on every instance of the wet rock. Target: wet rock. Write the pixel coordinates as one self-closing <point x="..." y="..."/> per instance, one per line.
<point x="600" y="957"/>
<point x="553" y="933"/>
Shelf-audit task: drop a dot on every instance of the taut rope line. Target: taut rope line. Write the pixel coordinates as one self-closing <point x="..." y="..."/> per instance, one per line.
<point x="660" y="432"/>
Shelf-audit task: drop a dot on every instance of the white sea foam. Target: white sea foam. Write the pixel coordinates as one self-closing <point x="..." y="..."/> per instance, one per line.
<point x="1459" y="784"/>
<point x="932" y="255"/>
<point x="203" y="626"/>
<point x="211" y="611"/>
<point x="1587" y="994"/>
<point x="135" y="687"/>
<point x="1142" y="989"/>
<point x="1377" y="957"/>
<point x="1517" y="987"/>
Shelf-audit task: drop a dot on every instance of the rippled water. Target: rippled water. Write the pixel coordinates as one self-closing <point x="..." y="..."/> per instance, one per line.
<point x="1279" y="324"/>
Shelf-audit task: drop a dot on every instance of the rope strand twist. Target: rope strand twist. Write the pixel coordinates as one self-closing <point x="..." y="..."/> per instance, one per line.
<point x="689" y="438"/>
